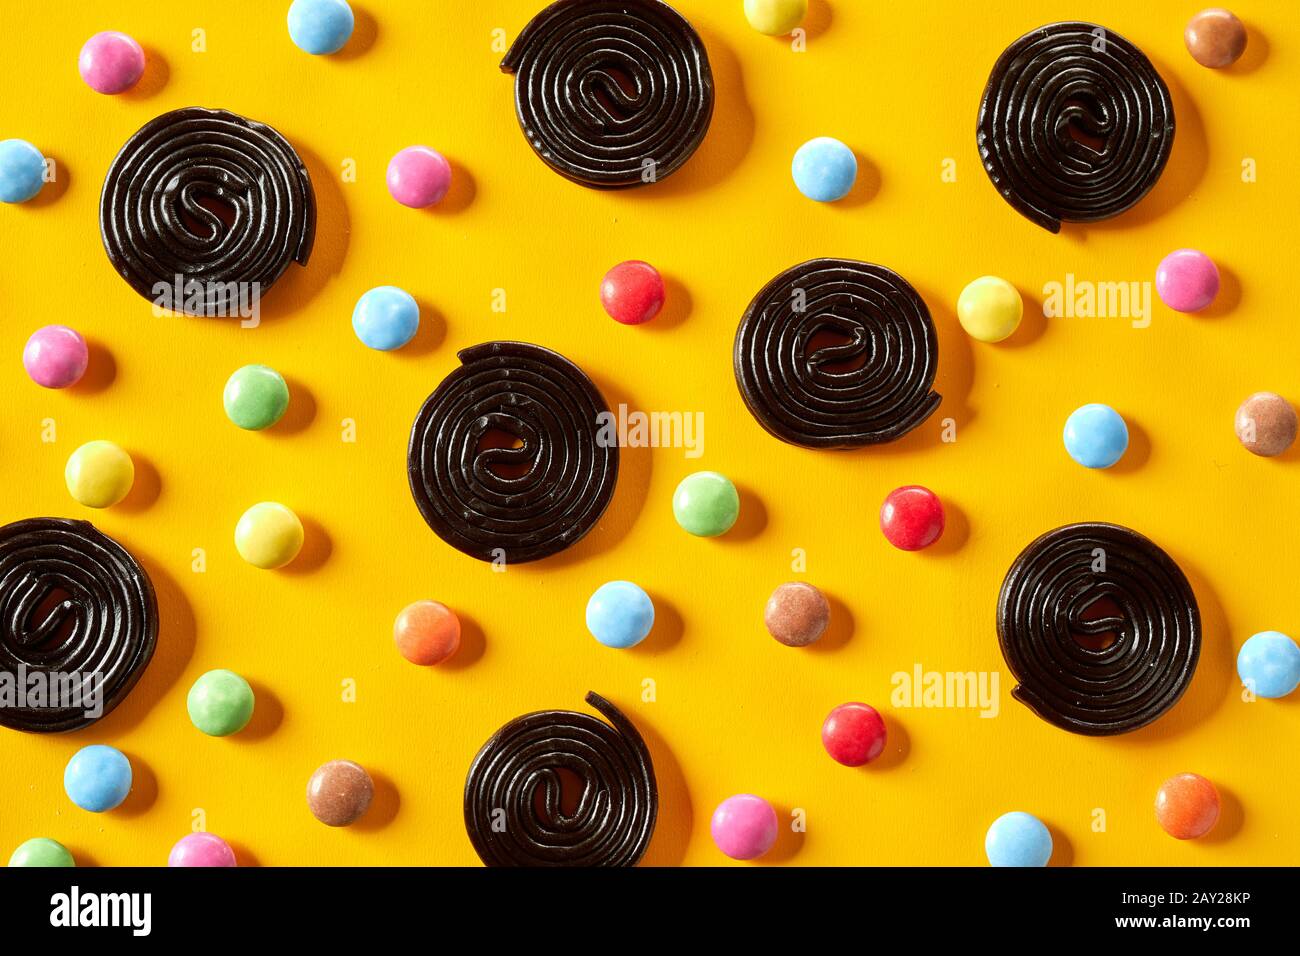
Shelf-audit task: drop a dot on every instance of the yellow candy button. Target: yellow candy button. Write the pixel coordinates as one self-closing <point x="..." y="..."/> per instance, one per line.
<point x="775" y="17"/>
<point x="990" y="309"/>
<point x="99" y="474"/>
<point x="269" y="535"/>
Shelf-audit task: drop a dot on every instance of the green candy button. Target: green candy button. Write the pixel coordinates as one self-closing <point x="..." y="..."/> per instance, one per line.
<point x="706" y="504"/>
<point x="256" y="397"/>
<point x="220" y="703"/>
<point x="42" y="851"/>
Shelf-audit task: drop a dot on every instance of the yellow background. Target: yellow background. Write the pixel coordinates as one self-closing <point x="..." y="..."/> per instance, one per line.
<point x="735" y="711"/>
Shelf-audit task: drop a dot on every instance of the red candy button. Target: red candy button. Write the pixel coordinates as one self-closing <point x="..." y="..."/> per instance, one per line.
<point x="912" y="518"/>
<point x="632" y="292"/>
<point x="854" y="734"/>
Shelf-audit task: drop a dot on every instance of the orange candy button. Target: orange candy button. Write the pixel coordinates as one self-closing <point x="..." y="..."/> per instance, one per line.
<point x="1187" y="806"/>
<point x="427" y="632"/>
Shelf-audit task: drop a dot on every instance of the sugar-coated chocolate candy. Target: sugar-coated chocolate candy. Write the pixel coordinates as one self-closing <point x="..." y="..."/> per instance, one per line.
<point x="339" y="793"/>
<point x="1215" y="38"/>
<point x="201" y="849"/>
<point x="620" y="614"/>
<point x="426" y="633"/>
<point x="632" y="292"/>
<point x="97" y="778"/>
<point x="990" y="309"/>
<point x="111" y="62"/>
<point x="854" y="734"/>
<point x="744" y="827"/>
<point x="386" y="318"/>
<point x="1187" y="280"/>
<point x="706" y="504"/>
<point x="255" y="397"/>
<point x="1052" y="630"/>
<point x="56" y="356"/>
<point x="101" y="620"/>
<point x="1095" y="436"/>
<point x="418" y="177"/>
<point x="41" y="851"/>
<point x="912" y="518"/>
<point x="1266" y="424"/>
<point x="22" y="171"/>
<point x="220" y="703"/>
<point x="1052" y="93"/>
<point x="1187" y="806"/>
<point x="1018" y="839"/>
<point x="796" y="614"/>
<point x="269" y="535"/>
<point x="824" y="169"/>
<point x="1269" y="664"/>
<point x="775" y="17"/>
<point x="99" y="474"/>
<point x="320" y="27"/>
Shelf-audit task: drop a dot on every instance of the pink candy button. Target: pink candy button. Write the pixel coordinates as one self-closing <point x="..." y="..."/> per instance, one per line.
<point x="418" y="176"/>
<point x="201" y="849"/>
<point x="1187" y="280"/>
<point x="744" y="826"/>
<point x="111" y="62"/>
<point x="56" y="356"/>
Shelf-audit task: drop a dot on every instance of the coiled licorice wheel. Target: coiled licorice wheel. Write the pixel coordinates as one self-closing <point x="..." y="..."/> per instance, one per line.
<point x="464" y="490"/>
<point x="208" y="208"/>
<point x="78" y="617"/>
<point x="514" y="809"/>
<point x="1075" y="125"/>
<point x="611" y="93"/>
<point x="1050" y="598"/>
<point x="882" y="389"/>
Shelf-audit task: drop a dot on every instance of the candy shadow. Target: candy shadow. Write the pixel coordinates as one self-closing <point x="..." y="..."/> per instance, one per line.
<point x="101" y="370"/>
<point x="731" y="131"/>
<point x="677" y="307"/>
<point x="145" y="489"/>
<point x="1186" y="167"/>
<point x="1062" y="848"/>
<point x="300" y="284"/>
<point x="365" y="32"/>
<point x="865" y="188"/>
<point x="316" y="549"/>
<point x="672" y="833"/>
<point x="300" y="413"/>
<point x="667" y="631"/>
<point x="144" y="789"/>
<point x="788" y="841"/>
<point x="1033" y="324"/>
<point x="1227" y="300"/>
<point x="428" y="336"/>
<point x="384" y="805"/>
<point x="151" y="82"/>
<point x="243" y="855"/>
<point x="83" y="857"/>
<point x="956" y="532"/>
<point x="268" y="713"/>
<point x="752" y="519"/>
<point x="460" y="194"/>
<point x="172" y="653"/>
<point x="473" y="645"/>
<point x="1232" y="817"/>
<point x="838" y="630"/>
<point x="1136" y="455"/>
<point x="898" y="744"/>
<point x="818" y="20"/>
<point x="51" y="192"/>
<point x="1257" y="50"/>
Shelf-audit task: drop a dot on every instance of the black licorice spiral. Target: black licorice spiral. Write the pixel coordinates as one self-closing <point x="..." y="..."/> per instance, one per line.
<point x="158" y="223"/>
<point x="1081" y="78"/>
<point x="75" y="609"/>
<point x="568" y="470"/>
<point x="611" y="93"/>
<point x="1045" y="602"/>
<point x="514" y="813"/>
<point x="812" y="395"/>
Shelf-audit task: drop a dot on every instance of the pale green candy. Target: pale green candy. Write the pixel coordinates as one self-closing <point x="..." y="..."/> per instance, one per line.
<point x="706" y="504"/>
<point x="256" y="397"/>
<point x="220" y="703"/>
<point x="42" y="851"/>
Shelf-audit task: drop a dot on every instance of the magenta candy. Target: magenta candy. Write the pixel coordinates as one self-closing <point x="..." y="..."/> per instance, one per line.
<point x="1187" y="280"/>
<point x="201" y="849"/>
<point x="418" y="176"/>
<point x="744" y="826"/>
<point x="111" y="62"/>
<point x="56" y="356"/>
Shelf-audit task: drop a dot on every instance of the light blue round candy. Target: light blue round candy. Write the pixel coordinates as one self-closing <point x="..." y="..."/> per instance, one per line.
<point x="620" y="614"/>
<point x="97" y="778"/>
<point x="1269" y="664"/>
<point x="824" y="169"/>
<point x="320" y="26"/>
<point x="22" y="170"/>
<point x="1096" y="436"/>
<point x="386" y="318"/>
<point x="1018" y="839"/>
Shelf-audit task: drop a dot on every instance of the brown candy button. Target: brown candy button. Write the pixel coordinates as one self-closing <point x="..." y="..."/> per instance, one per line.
<point x="1266" y="424"/>
<point x="796" y="614"/>
<point x="339" y="792"/>
<point x="1215" y="38"/>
